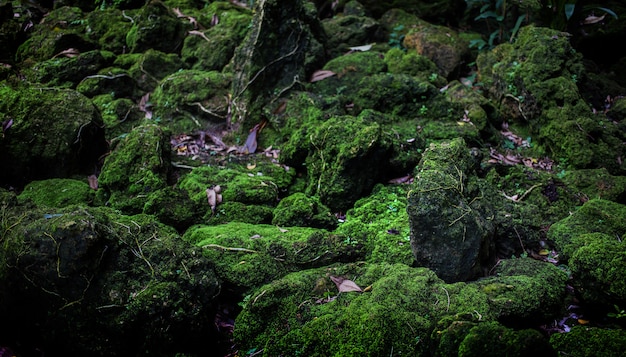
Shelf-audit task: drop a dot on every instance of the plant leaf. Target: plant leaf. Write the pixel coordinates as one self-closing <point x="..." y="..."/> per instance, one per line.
<point x="345" y="285"/>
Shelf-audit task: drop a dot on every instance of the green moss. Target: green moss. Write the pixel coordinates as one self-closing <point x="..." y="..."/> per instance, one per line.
<point x="156" y="27"/>
<point x="397" y="94"/>
<point x="380" y="223"/>
<point x="57" y="193"/>
<point x="302" y="211"/>
<point x="189" y="100"/>
<point x="249" y="255"/>
<point x="109" y="28"/>
<point x="584" y="341"/>
<point x="594" y="216"/>
<point x="394" y="315"/>
<point x="261" y="184"/>
<point x="239" y="212"/>
<point x="136" y="168"/>
<point x="345" y="156"/>
<point x="119" y="115"/>
<point x="493" y="339"/>
<point x="525" y="290"/>
<point x="223" y="37"/>
<point x="596" y="183"/>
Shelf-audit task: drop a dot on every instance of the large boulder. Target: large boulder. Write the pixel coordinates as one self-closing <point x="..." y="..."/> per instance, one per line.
<point x="449" y="232"/>
<point x="47" y="133"/>
<point x="89" y="281"/>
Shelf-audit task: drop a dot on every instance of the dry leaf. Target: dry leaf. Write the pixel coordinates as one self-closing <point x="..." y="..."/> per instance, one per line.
<point x="321" y="74"/>
<point x="93" y="182"/>
<point x="282" y="230"/>
<point x="361" y="48"/>
<point x="250" y="146"/>
<point x="70" y="52"/>
<point x="344" y="285"/>
<point x="591" y="19"/>
<point x="199" y="33"/>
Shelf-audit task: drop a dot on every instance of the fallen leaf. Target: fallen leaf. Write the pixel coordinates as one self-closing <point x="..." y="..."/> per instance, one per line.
<point x="361" y="48"/>
<point x="251" y="166"/>
<point x="93" y="182"/>
<point x="282" y="230"/>
<point x="70" y="52"/>
<point x="321" y="74"/>
<point x="591" y="19"/>
<point x="250" y="146"/>
<point x="344" y="285"/>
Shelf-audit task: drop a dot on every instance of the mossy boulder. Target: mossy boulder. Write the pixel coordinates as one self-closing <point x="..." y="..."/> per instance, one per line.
<point x="57" y="193"/>
<point x="64" y="72"/>
<point x="380" y="222"/>
<point x="53" y="133"/>
<point x="99" y="283"/>
<point x="590" y="241"/>
<point x="189" y="100"/>
<point x="406" y="309"/>
<point x="440" y="44"/>
<point x="596" y="184"/>
<point x="414" y="64"/>
<point x="136" y="168"/>
<point x="108" y="28"/>
<point x="534" y="79"/>
<point x="350" y="31"/>
<point x="303" y="313"/>
<point x="584" y="341"/>
<point x="247" y="256"/>
<point x="450" y="232"/>
<point x="300" y="210"/>
<point x="156" y="27"/>
<point x="345" y="158"/>
<point x="119" y="115"/>
<point x="62" y="29"/>
<point x="257" y="184"/>
<point x="456" y="336"/>
<point x="212" y="49"/>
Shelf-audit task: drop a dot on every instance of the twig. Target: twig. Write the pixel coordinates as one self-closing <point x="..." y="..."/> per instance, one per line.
<point x="448" y="295"/>
<point x="520" y="239"/>
<point x="258" y="296"/>
<point x="231" y="249"/>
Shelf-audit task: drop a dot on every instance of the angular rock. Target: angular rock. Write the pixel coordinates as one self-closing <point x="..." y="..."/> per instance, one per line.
<point x="449" y="232"/>
<point x="89" y="281"/>
<point x="48" y="133"/>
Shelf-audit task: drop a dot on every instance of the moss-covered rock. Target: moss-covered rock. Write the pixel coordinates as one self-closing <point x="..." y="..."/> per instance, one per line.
<point x="253" y="184"/>
<point x="350" y="31"/>
<point x="590" y="240"/>
<point x="136" y="168"/>
<point x="303" y="313"/>
<point x="211" y="49"/>
<point x="57" y="193"/>
<point x="300" y="210"/>
<point x="108" y="27"/>
<point x="156" y="27"/>
<point x="62" y="29"/>
<point x="440" y="44"/>
<point x="247" y="256"/>
<point x="584" y="341"/>
<point x="450" y="232"/>
<point x="63" y="72"/>
<point x="380" y="222"/>
<point x="119" y="115"/>
<point x="99" y="283"/>
<point x="596" y="183"/>
<point x="345" y="158"/>
<point x="189" y="100"/>
<point x="53" y="133"/>
<point x="534" y="79"/>
<point x="173" y="207"/>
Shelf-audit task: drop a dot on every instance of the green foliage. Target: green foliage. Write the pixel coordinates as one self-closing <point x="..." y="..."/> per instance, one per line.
<point x="396" y="38"/>
<point x="501" y="18"/>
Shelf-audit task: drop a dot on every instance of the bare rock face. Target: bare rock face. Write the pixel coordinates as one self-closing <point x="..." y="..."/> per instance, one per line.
<point x="449" y="234"/>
